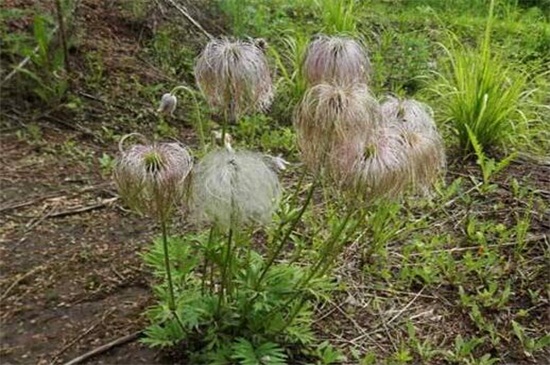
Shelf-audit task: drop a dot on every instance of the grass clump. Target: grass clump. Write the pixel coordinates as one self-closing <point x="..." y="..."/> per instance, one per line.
<point x="483" y="93"/>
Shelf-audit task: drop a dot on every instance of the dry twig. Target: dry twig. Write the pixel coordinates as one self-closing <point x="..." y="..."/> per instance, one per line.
<point x="101" y="349"/>
<point x="185" y="13"/>
<point x="82" y="335"/>
<point x="20" y="279"/>
<point x="79" y="210"/>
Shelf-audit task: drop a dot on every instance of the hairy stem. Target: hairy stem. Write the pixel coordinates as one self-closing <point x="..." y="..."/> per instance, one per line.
<point x="295" y="222"/>
<point x="325" y="259"/>
<point x="226" y="262"/>
<point x="198" y="115"/>
<point x="171" y="301"/>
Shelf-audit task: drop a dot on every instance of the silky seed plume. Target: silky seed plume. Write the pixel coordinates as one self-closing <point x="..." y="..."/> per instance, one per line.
<point x="151" y="177"/>
<point x="336" y="60"/>
<point x="234" y="76"/>
<point x="423" y="144"/>
<point x="234" y="188"/>
<point x="333" y="114"/>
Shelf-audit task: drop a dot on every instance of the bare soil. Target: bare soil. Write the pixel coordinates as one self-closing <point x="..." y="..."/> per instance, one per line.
<point x="71" y="278"/>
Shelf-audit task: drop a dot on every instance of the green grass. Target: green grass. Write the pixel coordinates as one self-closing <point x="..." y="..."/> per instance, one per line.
<point x="464" y="247"/>
<point x="481" y="93"/>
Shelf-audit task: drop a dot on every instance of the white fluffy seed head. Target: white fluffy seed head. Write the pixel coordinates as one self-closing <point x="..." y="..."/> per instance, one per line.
<point x="336" y="59"/>
<point x="234" y="188"/>
<point x="381" y="170"/>
<point x="151" y="177"/>
<point x="411" y="113"/>
<point x="423" y="144"/>
<point x="234" y="76"/>
<point x="329" y="115"/>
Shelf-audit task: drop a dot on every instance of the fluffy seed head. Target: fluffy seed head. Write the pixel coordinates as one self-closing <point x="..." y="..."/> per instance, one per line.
<point x="168" y="104"/>
<point x="234" y="76"/>
<point x="379" y="168"/>
<point x="150" y="177"/>
<point x="336" y="59"/>
<point x="411" y="113"/>
<point x="423" y="144"/>
<point x="234" y="188"/>
<point x="333" y="114"/>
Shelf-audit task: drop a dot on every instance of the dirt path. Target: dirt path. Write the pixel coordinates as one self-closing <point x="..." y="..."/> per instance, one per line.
<point x="71" y="277"/>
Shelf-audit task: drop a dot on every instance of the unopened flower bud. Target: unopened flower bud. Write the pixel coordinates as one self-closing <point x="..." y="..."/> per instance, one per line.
<point x="217" y="139"/>
<point x="278" y="162"/>
<point x="168" y="104"/>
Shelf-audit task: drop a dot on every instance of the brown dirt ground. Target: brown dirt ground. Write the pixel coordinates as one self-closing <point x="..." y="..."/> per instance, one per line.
<point x="72" y="280"/>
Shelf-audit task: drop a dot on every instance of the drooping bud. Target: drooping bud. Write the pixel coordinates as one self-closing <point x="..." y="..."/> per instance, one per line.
<point x="168" y="104"/>
<point x="217" y="139"/>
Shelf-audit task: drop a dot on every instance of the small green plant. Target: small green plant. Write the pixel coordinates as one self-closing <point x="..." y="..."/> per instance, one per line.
<point x="488" y="166"/>
<point x="529" y="344"/>
<point x="46" y="77"/>
<point x="106" y="164"/>
<point x="32" y="133"/>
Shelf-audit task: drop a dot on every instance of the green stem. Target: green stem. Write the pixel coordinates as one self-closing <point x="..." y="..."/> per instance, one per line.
<point x="323" y="261"/>
<point x="226" y="263"/>
<point x="295" y="222"/>
<point x="198" y="114"/>
<point x="206" y="263"/>
<point x="171" y="301"/>
<point x="282" y="243"/>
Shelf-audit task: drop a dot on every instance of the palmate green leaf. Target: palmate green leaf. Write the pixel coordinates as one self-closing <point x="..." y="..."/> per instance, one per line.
<point x="329" y="354"/>
<point x="164" y="335"/>
<point x="182" y="257"/>
<point x="268" y="353"/>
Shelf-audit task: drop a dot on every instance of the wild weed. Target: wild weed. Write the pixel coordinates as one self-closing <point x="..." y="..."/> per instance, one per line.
<point x="46" y="78"/>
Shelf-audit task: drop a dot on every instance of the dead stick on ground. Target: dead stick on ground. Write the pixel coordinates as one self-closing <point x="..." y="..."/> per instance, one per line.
<point x="119" y="341"/>
<point x="82" y="335"/>
<point x="57" y="194"/>
<point x="102" y="204"/>
<point x="32" y="225"/>
<point x="61" y="24"/>
<point x="407" y="306"/>
<point x="184" y="12"/>
<point x="19" y="279"/>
